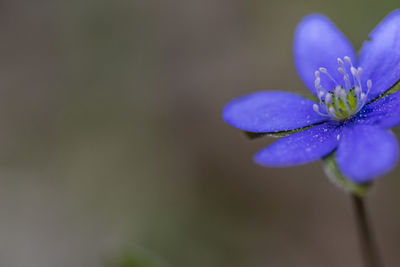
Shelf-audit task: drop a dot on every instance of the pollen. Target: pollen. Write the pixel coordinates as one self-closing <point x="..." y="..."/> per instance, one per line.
<point x="343" y="100"/>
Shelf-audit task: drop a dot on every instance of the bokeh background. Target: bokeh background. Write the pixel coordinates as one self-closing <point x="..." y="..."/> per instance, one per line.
<point x="113" y="151"/>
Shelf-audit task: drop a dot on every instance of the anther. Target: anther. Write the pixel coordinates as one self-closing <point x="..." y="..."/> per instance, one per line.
<point x="317" y="82"/>
<point x="328" y="98"/>
<point x="338" y="90"/>
<point x="353" y="71"/>
<point x="369" y="85"/>
<point x="320" y="95"/>
<point x="363" y="97"/>
<point x="357" y="90"/>
<point x="316" y="109"/>
<point x="346" y="81"/>
<point x="340" y="62"/>
<point x="343" y="93"/>
<point x="316" y="73"/>
<point x="341" y="71"/>
<point x="323" y="70"/>
<point x="348" y="60"/>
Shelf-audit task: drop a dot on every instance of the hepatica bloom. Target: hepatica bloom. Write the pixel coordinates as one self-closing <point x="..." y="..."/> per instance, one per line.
<point x="356" y="101"/>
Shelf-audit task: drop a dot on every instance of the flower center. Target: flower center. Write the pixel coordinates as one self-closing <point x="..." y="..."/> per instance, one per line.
<point x="341" y="102"/>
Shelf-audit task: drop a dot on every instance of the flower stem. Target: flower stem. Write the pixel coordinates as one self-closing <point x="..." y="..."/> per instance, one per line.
<point x="369" y="249"/>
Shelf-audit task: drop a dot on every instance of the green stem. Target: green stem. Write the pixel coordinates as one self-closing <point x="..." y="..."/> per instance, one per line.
<point x="368" y="246"/>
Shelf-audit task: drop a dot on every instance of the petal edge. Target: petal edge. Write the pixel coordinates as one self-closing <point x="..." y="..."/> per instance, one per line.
<point x="318" y="43"/>
<point x="380" y="56"/>
<point x="366" y="152"/>
<point x="300" y="148"/>
<point x="271" y="111"/>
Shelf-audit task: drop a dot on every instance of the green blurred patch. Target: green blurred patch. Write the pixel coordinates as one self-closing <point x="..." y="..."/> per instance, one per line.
<point x="135" y="260"/>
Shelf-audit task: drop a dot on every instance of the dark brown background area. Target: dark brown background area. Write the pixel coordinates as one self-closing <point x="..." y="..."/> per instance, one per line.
<point x="113" y="150"/>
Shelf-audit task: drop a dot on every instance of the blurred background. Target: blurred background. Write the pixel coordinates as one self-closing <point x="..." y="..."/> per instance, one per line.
<point x="113" y="151"/>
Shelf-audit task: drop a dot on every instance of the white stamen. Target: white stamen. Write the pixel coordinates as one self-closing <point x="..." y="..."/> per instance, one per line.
<point x="328" y="98"/>
<point x="346" y="81"/>
<point x="369" y="85"/>
<point x="338" y="90"/>
<point x="353" y="71"/>
<point x="363" y="97"/>
<point x="348" y="60"/>
<point x="323" y="70"/>
<point x="359" y="71"/>
<point x="320" y="95"/>
<point x="316" y="109"/>
<point x="357" y="90"/>
<point x="332" y="113"/>
<point x="344" y="99"/>
<point x="336" y="94"/>
<point x="317" y="82"/>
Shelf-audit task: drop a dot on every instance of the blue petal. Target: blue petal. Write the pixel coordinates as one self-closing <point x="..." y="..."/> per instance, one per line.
<point x="380" y="57"/>
<point x="384" y="112"/>
<point x="270" y="112"/>
<point x="366" y="152"/>
<point x="300" y="148"/>
<point x="318" y="43"/>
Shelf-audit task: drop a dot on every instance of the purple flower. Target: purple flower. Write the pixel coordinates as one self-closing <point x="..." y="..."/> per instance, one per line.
<point x="356" y="102"/>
